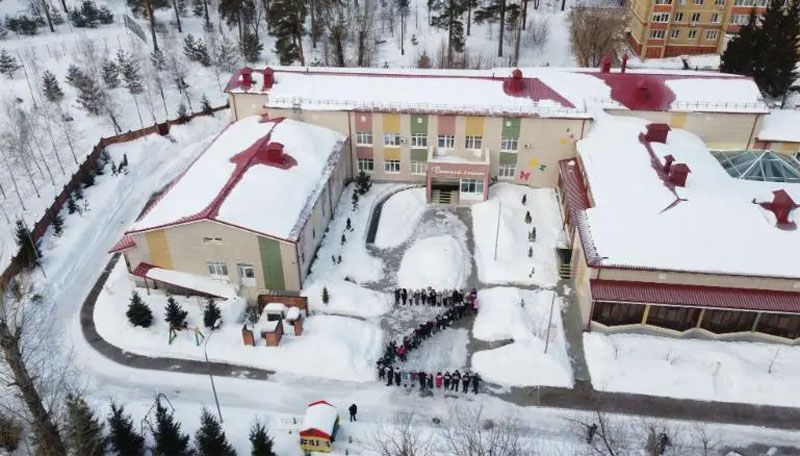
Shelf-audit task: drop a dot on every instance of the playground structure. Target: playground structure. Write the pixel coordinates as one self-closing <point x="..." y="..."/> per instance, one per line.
<point x="320" y="424"/>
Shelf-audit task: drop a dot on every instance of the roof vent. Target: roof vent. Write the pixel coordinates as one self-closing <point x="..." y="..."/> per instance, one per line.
<point x="624" y="63"/>
<point x="515" y="82"/>
<point x="678" y="174"/>
<point x="605" y="64"/>
<point x="668" y="160"/>
<point x="657" y="132"/>
<point x="269" y="78"/>
<point x="247" y="77"/>
<point x="275" y="152"/>
<point x="781" y="205"/>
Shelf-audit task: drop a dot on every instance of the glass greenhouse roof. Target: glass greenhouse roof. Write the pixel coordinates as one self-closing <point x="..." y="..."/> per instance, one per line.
<point x="759" y="165"/>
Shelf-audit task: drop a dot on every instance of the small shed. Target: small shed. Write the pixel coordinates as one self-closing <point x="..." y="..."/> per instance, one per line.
<point x="319" y="427"/>
<point x="274" y="311"/>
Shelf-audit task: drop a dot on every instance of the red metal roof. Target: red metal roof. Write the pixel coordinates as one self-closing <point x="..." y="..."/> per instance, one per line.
<point x="125" y="243"/>
<point x="695" y="296"/>
<point x="142" y="268"/>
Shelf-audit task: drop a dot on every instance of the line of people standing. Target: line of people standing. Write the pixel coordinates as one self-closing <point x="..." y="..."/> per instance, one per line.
<point x="447" y="381"/>
<point x="430" y="297"/>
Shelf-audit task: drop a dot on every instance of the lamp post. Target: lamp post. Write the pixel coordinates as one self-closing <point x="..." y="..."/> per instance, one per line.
<point x="211" y="377"/>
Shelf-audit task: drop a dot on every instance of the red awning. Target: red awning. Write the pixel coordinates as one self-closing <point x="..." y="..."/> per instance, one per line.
<point x="695" y="296"/>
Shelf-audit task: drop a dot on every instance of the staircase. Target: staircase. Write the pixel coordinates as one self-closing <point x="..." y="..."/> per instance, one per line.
<point x="445" y="197"/>
<point x="564" y="270"/>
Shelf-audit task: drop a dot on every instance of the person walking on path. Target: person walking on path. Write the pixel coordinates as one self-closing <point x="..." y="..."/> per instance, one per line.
<point x="422" y="376"/>
<point x="397" y="376"/>
<point x="455" y="379"/>
<point x="475" y="380"/>
<point x="439" y="380"/>
<point x="465" y="382"/>
<point x="404" y="295"/>
<point x="353" y="410"/>
<point x="447" y="381"/>
<point x="389" y="376"/>
<point x="430" y="382"/>
<point x="381" y="371"/>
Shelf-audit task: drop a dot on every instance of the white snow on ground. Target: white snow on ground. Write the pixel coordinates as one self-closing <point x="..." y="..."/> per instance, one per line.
<point x="441" y="262"/>
<point x="399" y="217"/>
<point x="347" y="298"/>
<point x="341" y="348"/>
<point x="708" y="370"/>
<point x="523" y="316"/>
<point x="781" y="125"/>
<point x="513" y="265"/>
<point x="444" y="351"/>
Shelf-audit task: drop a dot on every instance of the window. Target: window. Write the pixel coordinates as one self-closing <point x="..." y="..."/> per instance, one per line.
<point x="419" y="167"/>
<point x="692" y="34"/>
<point x="678" y="17"/>
<point x="661" y="17"/>
<point x="391" y="139"/>
<point x="447" y="141"/>
<point x="711" y="35"/>
<point x="677" y="318"/>
<point x="658" y="34"/>
<point x="614" y="313"/>
<point x="698" y="2"/>
<point x="740" y="19"/>
<point x="762" y="3"/>
<point x="472" y="185"/>
<point x="674" y="34"/>
<point x="695" y="17"/>
<point x="715" y="18"/>
<point x="363" y="138"/>
<point x="509" y="144"/>
<point x="663" y="2"/>
<point x="727" y="321"/>
<point x="419" y="140"/>
<point x="743" y="2"/>
<point x="217" y="269"/>
<point x="247" y="274"/>
<point x="366" y="165"/>
<point x="719" y="2"/>
<point x="212" y="240"/>
<point x="507" y="171"/>
<point x="473" y="142"/>
<point x="391" y="166"/>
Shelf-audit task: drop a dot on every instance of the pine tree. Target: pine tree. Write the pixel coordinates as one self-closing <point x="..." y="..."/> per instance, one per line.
<point x="75" y="75"/>
<point x="226" y="56"/>
<point x="530" y="252"/>
<point x="52" y="91"/>
<point x="325" y="296"/>
<point x="205" y="106"/>
<point x="448" y="16"/>
<point x="354" y="199"/>
<point x="169" y="441"/>
<point x="72" y="207"/>
<point x="88" y="178"/>
<point x="78" y="193"/>
<point x="524" y="199"/>
<point x="363" y="183"/>
<point x="210" y="439"/>
<point x="8" y="64"/>
<point x="211" y="314"/>
<point x="739" y="55"/>
<point x="288" y="27"/>
<point x="196" y="51"/>
<point x="58" y="225"/>
<point x="123" y="440"/>
<point x="251" y="47"/>
<point x="90" y="95"/>
<point x="29" y="253"/>
<point x="183" y="113"/>
<point x="174" y="313"/>
<point x="528" y="218"/>
<point x="260" y="440"/>
<point x="84" y="430"/>
<point x="139" y="314"/>
<point x="110" y="74"/>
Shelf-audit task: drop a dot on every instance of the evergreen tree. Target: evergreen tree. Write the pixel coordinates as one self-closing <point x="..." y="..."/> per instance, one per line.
<point x="776" y="59"/>
<point x="52" y="91"/>
<point x="78" y="193"/>
<point x="524" y="199"/>
<point x="90" y="96"/>
<point x="196" y="51"/>
<point x="497" y="11"/>
<point x="363" y="183"/>
<point x="10" y="434"/>
<point x="88" y="178"/>
<point x="325" y="296"/>
<point x="205" y="106"/>
<point x="139" y="314"/>
<point x="260" y="440"/>
<point x="72" y="207"/>
<point x="84" y="430"/>
<point x="29" y="253"/>
<point x="8" y="64"/>
<point x="183" y="113"/>
<point x="226" y="56"/>
<point x="159" y="60"/>
<point x="75" y="76"/>
<point x="354" y="199"/>
<point x="251" y="47"/>
<point x="528" y="218"/>
<point x="169" y="441"/>
<point x="174" y="313"/>
<point x="58" y="225"/>
<point x="110" y="74"/>
<point x="448" y="16"/>
<point x="123" y="440"/>
<point x="739" y="55"/>
<point x="211" y="314"/>
<point x="288" y="27"/>
<point x="210" y="439"/>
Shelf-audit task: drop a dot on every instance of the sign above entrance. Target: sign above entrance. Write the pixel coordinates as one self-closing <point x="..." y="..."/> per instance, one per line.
<point x="461" y="172"/>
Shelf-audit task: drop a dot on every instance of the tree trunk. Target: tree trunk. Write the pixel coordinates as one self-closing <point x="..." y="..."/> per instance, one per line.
<point x="48" y="440"/>
<point x="313" y="24"/>
<point x="64" y="7"/>
<point x="402" y="34"/>
<point x="177" y="15"/>
<point x="469" y="16"/>
<point x="450" y="18"/>
<point x="46" y="9"/>
<point x="205" y="15"/>
<point x="524" y="13"/>
<point x="563" y="4"/>
<point x="520" y="17"/>
<point x="361" y="39"/>
<point x="502" y="28"/>
<point x="148" y="8"/>
<point x="299" y="38"/>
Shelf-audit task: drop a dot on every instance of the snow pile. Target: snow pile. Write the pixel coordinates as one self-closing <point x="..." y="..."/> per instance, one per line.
<point x="399" y="217"/>
<point x="347" y="298"/>
<point x="503" y="316"/>
<point x="513" y="265"/>
<point x="781" y="125"/>
<point x="441" y="262"/>
<point x="708" y="370"/>
<point x="331" y="346"/>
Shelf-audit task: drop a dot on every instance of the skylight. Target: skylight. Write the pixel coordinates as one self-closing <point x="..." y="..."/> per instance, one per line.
<point x="759" y="165"/>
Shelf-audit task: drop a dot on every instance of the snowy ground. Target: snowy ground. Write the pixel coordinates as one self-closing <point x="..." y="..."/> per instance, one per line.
<point x="521" y="317"/>
<point x="440" y="262"/>
<point x="399" y="217"/>
<point x="513" y="264"/>
<point x="722" y="371"/>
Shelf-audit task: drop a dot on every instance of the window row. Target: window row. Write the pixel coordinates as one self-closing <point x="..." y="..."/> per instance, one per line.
<point x="392" y="166"/>
<point x="471" y="185"/>
<point x="695" y="17"/>
<point x="220" y="269"/>
<point x="676" y="33"/>
<point x="364" y="138"/>
<point x="761" y="3"/>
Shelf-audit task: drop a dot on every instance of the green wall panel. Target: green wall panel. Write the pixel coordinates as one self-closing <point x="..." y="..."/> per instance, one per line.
<point x="511" y="128"/>
<point x="508" y="158"/>
<point x="419" y="155"/>
<point x="271" y="263"/>
<point x="419" y="124"/>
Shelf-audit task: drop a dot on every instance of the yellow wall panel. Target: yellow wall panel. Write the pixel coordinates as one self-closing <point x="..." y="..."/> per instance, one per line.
<point x="391" y="123"/>
<point x="392" y="153"/>
<point x="474" y="126"/>
<point x="159" y="249"/>
<point x="789" y="147"/>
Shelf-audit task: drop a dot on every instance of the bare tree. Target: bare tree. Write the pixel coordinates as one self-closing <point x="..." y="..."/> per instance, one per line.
<point x="469" y="433"/>
<point x="604" y="435"/>
<point x="399" y="438"/>
<point x="337" y="17"/>
<point x="364" y="20"/>
<point x="596" y="31"/>
<point x="704" y="439"/>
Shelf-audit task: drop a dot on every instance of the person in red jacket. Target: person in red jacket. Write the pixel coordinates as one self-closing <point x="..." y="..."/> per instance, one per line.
<point x="439" y="380"/>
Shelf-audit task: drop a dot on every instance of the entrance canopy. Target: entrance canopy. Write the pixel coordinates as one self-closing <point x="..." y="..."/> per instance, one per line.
<point x="472" y="179"/>
<point x="188" y="281"/>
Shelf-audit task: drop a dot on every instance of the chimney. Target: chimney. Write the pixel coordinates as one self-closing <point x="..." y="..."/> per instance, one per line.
<point x="275" y="152"/>
<point x="678" y="174"/>
<point x="624" y="62"/>
<point x="605" y="64"/>
<point x="668" y="163"/>
<point x="247" y="77"/>
<point x="781" y="205"/>
<point x="657" y="132"/>
<point x="515" y="82"/>
<point x="269" y="78"/>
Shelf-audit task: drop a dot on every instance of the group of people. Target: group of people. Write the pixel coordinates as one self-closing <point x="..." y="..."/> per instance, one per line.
<point x="410" y="378"/>
<point x="429" y="296"/>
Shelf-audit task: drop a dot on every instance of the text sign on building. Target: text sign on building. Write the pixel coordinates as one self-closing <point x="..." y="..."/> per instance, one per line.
<point x="458" y="172"/>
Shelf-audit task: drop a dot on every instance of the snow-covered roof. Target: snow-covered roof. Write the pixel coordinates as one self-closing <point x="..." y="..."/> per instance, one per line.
<point x="713" y="224"/>
<point x="220" y="185"/>
<point x="321" y="417"/>
<point x="202" y="284"/>
<point x="781" y="125"/>
<point x="543" y="91"/>
<point x="275" y="307"/>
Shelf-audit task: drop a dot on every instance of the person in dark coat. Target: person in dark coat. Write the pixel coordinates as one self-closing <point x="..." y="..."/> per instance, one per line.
<point x="396" y="296"/>
<point x="446" y="380"/>
<point x="430" y="381"/>
<point x="404" y="295"/>
<point x="381" y="371"/>
<point x="397" y="376"/>
<point x="475" y="380"/>
<point x="465" y="382"/>
<point x="389" y="376"/>
<point x="455" y="379"/>
<point x="353" y="409"/>
<point x="422" y="377"/>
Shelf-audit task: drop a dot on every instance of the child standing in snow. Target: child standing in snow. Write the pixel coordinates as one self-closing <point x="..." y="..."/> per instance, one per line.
<point x="439" y="380"/>
<point x="447" y="381"/>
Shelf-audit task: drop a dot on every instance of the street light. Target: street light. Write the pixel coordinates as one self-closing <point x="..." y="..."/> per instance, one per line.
<point x="208" y="365"/>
